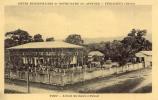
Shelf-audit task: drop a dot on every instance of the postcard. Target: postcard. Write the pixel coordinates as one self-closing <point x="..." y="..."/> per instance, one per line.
<point x="78" y="50"/>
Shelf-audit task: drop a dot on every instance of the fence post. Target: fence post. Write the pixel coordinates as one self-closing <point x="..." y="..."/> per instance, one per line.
<point x="9" y="74"/>
<point x="61" y="76"/>
<point x="28" y="84"/>
<point x="72" y="77"/>
<point x="48" y="77"/>
<point x="90" y="67"/>
<point x="116" y="69"/>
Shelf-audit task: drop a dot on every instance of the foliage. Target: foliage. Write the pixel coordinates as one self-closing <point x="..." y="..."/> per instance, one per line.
<point x="17" y="37"/>
<point x="134" y="43"/>
<point x="37" y="38"/>
<point x="74" y="39"/>
<point x="124" y="50"/>
<point x="50" y="39"/>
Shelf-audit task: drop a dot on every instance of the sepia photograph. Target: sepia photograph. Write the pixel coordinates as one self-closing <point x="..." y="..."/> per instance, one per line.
<point x="78" y="49"/>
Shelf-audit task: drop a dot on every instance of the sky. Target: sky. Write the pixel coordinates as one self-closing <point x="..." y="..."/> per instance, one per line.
<point x="88" y="21"/>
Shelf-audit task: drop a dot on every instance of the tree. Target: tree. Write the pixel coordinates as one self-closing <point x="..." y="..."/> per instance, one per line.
<point x="124" y="50"/>
<point x="50" y="39"/>
<point x="38" y="38"/>
<point x="9" y="43"/>
<point x="17" y="37"/>
<point x="137" y="42"/>
<point x="74" y="39"/>
<point x="134" y="43"/>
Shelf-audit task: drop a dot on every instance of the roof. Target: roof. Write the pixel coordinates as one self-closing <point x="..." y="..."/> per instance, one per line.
<point x="141" y="53"/>
<point x="95" y="53"/>
<point x="40" y="45"/>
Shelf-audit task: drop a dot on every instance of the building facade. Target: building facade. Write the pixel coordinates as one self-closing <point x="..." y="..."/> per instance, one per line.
<point x="145" y="57"/>
<point x="44" y="56"/>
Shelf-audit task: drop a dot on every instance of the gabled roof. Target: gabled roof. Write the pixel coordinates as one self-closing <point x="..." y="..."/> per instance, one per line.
<point x="149" y="53"/>
<point x="141" y="53"/>
<point x="40" y="45"/>
<point x="95" y="53"/>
